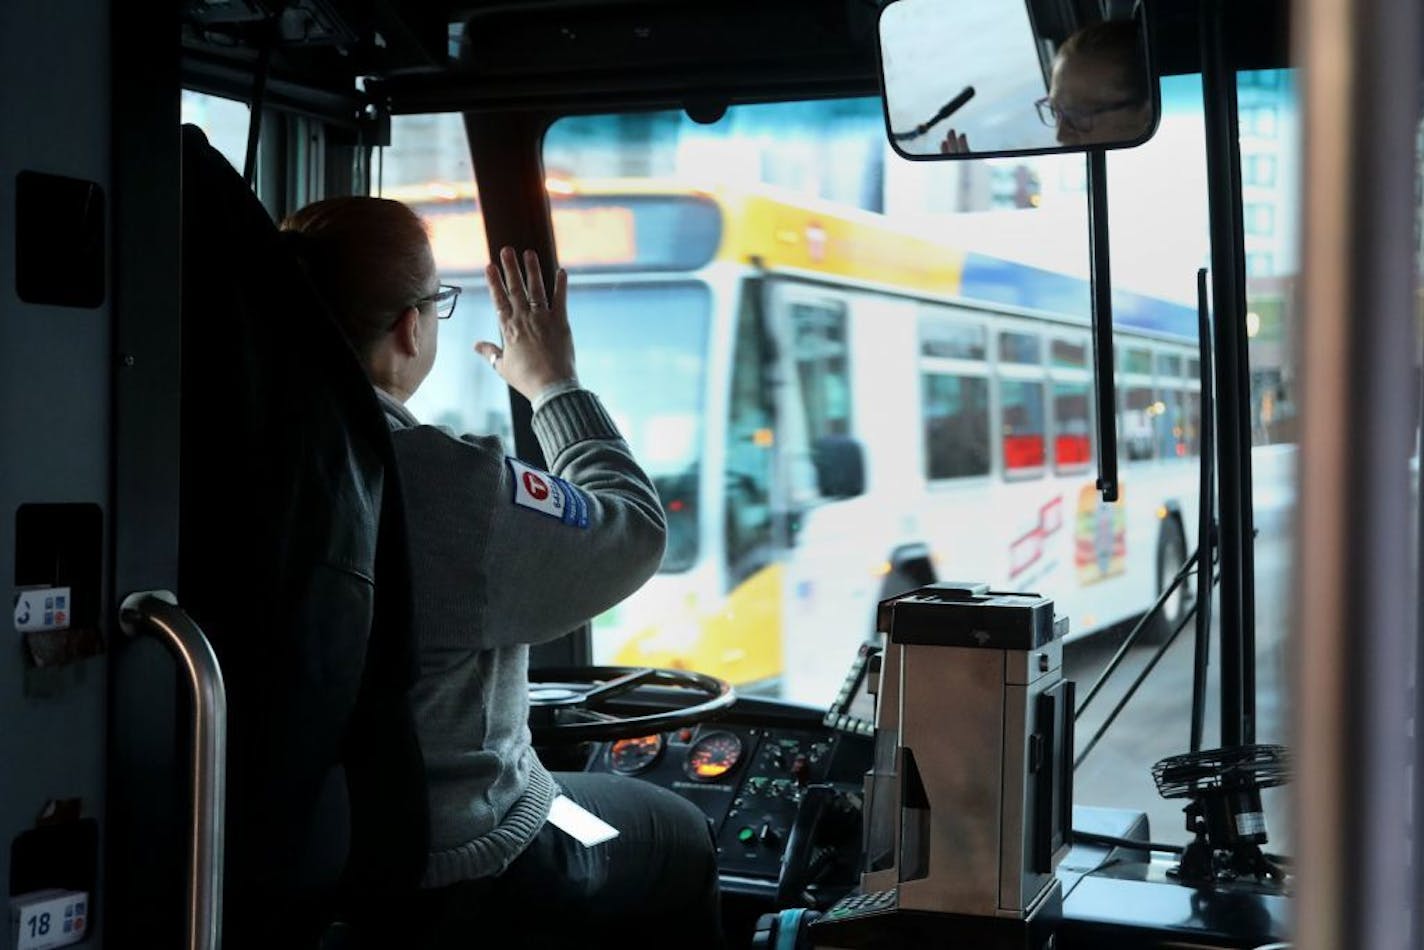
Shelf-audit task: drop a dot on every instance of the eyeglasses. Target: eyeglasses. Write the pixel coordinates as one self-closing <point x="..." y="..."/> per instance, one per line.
<point x="1076" y="120"/>
<point x="444" y="299"/>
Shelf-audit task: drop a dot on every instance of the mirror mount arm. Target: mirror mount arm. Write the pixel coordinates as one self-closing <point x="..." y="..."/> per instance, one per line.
<point x="947" y="110"/>
<point x="1101" y="291"/>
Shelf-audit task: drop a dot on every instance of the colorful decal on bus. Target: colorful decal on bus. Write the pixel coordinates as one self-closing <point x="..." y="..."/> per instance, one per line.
<point x="1100" y="541"/>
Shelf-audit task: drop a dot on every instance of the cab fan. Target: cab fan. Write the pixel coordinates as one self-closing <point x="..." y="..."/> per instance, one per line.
<point x="1224" y="809"/>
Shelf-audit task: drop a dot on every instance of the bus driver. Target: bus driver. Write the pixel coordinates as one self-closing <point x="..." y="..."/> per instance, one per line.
<point x="497" y="566"/>
<point x="1098" y="93"/>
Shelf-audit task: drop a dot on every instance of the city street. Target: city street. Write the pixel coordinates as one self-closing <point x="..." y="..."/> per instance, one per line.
<point x="1156" y="723"/>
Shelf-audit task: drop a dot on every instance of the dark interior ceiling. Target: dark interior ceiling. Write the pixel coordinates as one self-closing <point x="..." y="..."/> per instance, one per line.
<point x="446" y="55"/>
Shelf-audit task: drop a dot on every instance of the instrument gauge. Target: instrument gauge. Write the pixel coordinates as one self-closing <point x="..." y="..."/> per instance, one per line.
<point x="631" y="756"/>
<point x="713" y="756"/>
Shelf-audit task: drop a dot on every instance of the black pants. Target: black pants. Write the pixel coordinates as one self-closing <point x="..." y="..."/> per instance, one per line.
<point x="655" y="885"/>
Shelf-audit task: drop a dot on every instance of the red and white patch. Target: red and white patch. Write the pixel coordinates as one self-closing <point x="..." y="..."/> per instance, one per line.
<point x="537" y="490"/>
<point x="548" y="495"/>
<point x="536" y="487"/>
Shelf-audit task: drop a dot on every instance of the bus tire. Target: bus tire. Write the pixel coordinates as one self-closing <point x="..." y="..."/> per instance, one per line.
<point x="1171" y="554"/>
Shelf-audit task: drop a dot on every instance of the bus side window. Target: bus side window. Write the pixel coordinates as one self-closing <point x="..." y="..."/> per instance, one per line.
<point x="1169" y="415"/>
<point x="954" y="391"/>
<point x="1140" y="408"/>
<point x="750" y="439"/>
<point x="1022" y="435"/>
<point x="1072" y="427"/>
<point x="1072" y="395"/>
<point x="1191" y="423"/>
<point x="1138" y="412"/>
<point x="818" y="333"/>
<point x="1021" y="419"/>
<point x="956" y="425"/>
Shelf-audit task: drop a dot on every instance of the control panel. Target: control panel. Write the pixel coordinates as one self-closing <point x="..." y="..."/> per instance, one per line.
<point x="751" y="839"/>
<point x="748" y="780"/>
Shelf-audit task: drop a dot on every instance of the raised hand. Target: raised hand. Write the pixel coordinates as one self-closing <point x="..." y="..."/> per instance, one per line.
<point x="538" y="346"/>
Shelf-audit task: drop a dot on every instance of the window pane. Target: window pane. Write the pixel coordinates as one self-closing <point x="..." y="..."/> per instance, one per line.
<point x="956" y="425"/>
<point x="223" y="121"/>
<point x="662" y="329"/>
<point x="1072" y="426"/>
<point x="1019" y="348"/>
<point x="1137" y="422"/>
<point x="1272" y="140"/>
<point x="820" y="341"/>
<point x="1169" y="365"/>
<point x="1021" y="422"/>
<point x="428" y="151"/>
<point x="1070" y="354"/>
<point x="807" y="205"/>
<point x="1168" y="423"/>
<point x="1137" y="361"/>
<point x="1191" y="422"/>
<point x="942" y="338"/>
<point x="427" y="166"/>
<point x="748" y="447"/>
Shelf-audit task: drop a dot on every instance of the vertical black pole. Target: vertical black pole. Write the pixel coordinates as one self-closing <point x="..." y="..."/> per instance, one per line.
<point x="1223" y="158"/>
<point x="1101" y="290"/>
<point x="1206" y="516"/>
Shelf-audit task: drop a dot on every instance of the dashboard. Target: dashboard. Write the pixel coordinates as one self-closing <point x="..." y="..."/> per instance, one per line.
<point x="749" y="771"/>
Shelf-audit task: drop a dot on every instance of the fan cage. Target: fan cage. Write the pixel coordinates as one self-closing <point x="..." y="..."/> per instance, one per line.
<point x="1229" y="769"/>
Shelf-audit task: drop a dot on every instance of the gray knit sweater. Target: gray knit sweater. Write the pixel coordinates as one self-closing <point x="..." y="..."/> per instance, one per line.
<point x="497" y="564"/>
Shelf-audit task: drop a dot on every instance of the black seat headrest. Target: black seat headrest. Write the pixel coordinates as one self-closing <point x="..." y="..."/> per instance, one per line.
<point x="293" y="561"/>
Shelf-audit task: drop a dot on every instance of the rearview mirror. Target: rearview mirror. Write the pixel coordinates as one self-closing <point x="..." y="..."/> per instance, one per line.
<point x="983" y="78"/>
<point x="840" y="466"/>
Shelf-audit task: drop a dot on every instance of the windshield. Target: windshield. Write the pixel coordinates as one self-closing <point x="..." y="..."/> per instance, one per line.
<point x="641" y="348"/>
<point x="949" y="431"/>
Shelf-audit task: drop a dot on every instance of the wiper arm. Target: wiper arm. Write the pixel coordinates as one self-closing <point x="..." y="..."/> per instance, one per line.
<point x="949" y="108"/>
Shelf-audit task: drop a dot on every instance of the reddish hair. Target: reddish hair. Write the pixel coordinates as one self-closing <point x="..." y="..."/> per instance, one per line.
<point x="368" y="257"/>
<point x="1119" y="44"/>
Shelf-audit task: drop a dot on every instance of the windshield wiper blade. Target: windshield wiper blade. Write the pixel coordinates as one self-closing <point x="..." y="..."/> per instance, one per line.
<point x="947" y="110"/>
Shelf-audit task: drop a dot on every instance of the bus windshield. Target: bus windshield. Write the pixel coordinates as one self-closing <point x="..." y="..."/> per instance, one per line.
<point x="634" y="340"/>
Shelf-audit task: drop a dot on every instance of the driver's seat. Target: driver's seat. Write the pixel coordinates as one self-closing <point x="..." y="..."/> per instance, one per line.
<point x="293" y="561"/>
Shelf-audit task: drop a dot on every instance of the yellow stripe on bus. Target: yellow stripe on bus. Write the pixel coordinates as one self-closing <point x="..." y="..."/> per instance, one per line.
<point x="739" y="642"/>
<point x="841" y="242"/>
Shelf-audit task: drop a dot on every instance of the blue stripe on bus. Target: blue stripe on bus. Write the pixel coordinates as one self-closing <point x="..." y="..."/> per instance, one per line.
<point x="994" y="280"/>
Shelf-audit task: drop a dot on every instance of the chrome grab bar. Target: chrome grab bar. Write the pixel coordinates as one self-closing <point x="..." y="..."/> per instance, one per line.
<point x="157" y="612"/>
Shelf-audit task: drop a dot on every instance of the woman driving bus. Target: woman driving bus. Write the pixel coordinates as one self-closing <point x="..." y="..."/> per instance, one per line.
<point x="503" y="556"/>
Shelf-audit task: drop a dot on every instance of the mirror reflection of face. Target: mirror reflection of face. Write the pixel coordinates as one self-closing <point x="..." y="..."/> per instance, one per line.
<point x="1093" y="101"/>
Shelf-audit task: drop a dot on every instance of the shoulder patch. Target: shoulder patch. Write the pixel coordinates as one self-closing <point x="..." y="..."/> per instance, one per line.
<point x="548" y="494"/>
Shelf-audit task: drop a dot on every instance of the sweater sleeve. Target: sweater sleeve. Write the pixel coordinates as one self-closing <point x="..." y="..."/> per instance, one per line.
<point x="565" y="548"/>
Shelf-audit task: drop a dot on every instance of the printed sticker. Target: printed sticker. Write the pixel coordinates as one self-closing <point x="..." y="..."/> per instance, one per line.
<point x="548" y="494"/>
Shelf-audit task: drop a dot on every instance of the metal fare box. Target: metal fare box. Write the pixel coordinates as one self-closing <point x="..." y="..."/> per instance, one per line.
<point x="972" y="809"/>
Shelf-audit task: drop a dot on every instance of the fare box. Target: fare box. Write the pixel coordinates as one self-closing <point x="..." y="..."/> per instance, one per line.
<point x="52" y="918"/>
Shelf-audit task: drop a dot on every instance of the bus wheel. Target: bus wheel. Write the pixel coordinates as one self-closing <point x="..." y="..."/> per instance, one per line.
<point x="1171" y="554"/>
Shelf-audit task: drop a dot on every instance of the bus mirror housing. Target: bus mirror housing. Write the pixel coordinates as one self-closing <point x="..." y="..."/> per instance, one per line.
<point x="840" y="466"/>
<point x="985" y="78"/>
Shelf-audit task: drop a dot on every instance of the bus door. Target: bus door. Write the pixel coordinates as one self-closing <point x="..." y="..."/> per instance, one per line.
<point x="828" y="520"/>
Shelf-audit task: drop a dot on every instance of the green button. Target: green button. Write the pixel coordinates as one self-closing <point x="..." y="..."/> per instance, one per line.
<point x="746" y="835"/>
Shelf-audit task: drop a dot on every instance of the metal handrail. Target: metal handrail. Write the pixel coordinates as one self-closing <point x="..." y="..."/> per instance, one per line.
<point x="157" y="612"/>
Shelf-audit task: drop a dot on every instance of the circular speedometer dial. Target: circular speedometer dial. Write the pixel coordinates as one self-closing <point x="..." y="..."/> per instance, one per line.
<point x="713" y="756"/>
<point x="631" y="756"/>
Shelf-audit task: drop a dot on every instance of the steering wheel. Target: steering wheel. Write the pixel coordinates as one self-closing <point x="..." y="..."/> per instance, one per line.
<point x="568" y="704"/>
